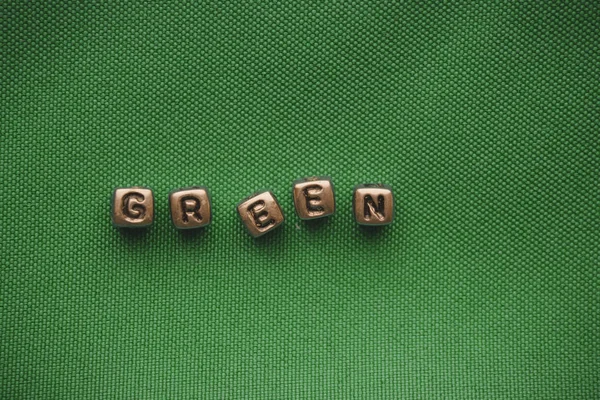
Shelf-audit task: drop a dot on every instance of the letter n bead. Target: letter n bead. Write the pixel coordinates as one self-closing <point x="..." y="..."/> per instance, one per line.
<point x="314" y="197"/>
<point x="260" y="213"/>
<point x="190" y="207"/>
<point x="132" y="207"/>
<point x="373" y="204"/>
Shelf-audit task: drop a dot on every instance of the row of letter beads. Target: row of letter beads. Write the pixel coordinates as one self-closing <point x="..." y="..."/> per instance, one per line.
<point x="260" y="213"/>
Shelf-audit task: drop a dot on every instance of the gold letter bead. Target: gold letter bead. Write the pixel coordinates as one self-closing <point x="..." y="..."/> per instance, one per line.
<point x="314" y="197"/>
<point x="260" y="213"/>
<point x="190" y="207"/>
<point x="373" y="204"/>
<point x="132" y="207"/>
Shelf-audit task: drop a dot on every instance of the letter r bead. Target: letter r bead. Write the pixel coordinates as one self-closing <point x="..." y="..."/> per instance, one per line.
<point x="190" y="207"/>
<point x="132" y="207"/>
<point x="260" y="213"/>
<point x="373" y="204"/>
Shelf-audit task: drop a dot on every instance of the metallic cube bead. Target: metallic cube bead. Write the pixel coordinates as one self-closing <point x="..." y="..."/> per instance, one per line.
<point x="132" y="207"/>
<point x="314" y="197"/>
<point x="190" y="207"/>
<point x="260" y="213"/>
<point x="373" y="204"/>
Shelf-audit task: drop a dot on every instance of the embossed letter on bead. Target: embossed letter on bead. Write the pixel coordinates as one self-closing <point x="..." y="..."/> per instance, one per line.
<point x="190" y="207"/>
<point x="260" y="213"/>
<point x="132" y="207"/>
<point x="373" y="204"/>
<point x="314" y="197"/>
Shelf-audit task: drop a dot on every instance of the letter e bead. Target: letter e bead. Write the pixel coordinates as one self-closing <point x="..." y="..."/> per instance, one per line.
<point x="373" y="204"/>
<point x="314" y="197"/>
<point x="132" y="207"/>
<point x="260" y="213"/>
<point x="190" y="207"/>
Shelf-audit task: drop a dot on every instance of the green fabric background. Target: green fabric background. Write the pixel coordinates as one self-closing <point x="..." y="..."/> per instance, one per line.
<point x="485" y="119"/>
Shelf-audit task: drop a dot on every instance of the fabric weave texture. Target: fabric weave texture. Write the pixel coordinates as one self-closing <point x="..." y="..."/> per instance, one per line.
<point x="484" y="117"/>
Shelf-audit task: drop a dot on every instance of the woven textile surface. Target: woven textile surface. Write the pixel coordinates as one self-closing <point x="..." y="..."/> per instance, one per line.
<point x="483" y="117"/>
